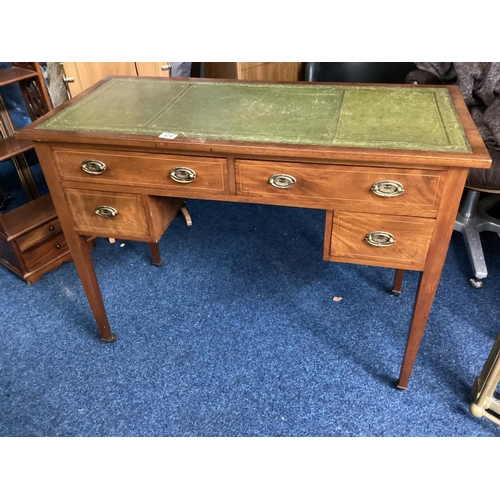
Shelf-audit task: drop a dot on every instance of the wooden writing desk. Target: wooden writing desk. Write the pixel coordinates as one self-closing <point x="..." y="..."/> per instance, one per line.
<point x="387" y="163"/>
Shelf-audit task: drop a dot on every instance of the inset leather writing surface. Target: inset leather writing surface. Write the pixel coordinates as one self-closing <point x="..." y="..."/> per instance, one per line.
<point x="399" y="118"/>
<point x="329" y="115"/>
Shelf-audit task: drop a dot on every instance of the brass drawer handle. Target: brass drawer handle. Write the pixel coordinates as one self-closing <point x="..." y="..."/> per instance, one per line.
<point x="106" y="212"/>
<point x="93" y="167"/>
<point x="388" y="189"/>
<point x="380" y="239"/>
<point x="282" y="181"/>
<point x="183" y="175"/>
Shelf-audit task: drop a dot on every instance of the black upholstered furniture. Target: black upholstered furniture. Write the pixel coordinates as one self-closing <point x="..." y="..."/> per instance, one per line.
<point x="362" y="72"/>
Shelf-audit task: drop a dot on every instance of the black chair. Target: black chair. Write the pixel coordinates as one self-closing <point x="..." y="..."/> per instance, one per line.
<point x="358" y="72"/>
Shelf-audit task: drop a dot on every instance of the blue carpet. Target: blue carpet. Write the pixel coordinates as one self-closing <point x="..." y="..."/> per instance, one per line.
<point x="237" y="335"/>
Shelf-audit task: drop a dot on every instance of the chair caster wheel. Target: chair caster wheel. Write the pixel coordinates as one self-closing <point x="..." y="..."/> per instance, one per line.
<point x="475" y="283"/>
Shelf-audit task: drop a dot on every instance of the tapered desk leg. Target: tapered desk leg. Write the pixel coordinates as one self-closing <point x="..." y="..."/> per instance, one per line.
<point x="425" y="295"/>
<point x="398" y="282"/>
<point x="431" y="274"/>
<point x="80" y="251"/>
<point x="154" y="248"/>
<point x="78" y="245"/>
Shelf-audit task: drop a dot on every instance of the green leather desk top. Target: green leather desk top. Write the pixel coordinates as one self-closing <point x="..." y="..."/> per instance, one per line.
<point x="410" y="118"/>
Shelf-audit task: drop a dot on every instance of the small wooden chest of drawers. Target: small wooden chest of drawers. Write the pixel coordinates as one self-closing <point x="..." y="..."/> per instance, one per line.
<point x="31" y="240"/>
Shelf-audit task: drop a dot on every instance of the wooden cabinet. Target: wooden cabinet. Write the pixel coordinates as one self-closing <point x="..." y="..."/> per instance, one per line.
<point x="82" y="75"/>
<point x="31" y="238"/>
<point x="267" y="71"/>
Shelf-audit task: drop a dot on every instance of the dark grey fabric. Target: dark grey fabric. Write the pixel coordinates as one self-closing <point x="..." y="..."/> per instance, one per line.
<point x="479" y="83"/>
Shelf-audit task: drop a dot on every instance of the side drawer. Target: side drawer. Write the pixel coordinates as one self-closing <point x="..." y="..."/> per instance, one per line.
<point x="372" y="189"/>
<point x="378" y="240"/>
<point x="38" y="234"/>
<point x="40" y="255"/>
<point x="128" y="222"/>
<point x="144" y="170"/>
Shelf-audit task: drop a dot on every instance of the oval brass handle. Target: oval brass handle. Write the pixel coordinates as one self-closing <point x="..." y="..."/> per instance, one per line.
<point x="183" y="175"/>
<point x="388" y="189"/>
<point x="282" y="181"/>
<point x="380" y="239"/>
<point x="93" y="167"/>
<point x="105" y="211"/>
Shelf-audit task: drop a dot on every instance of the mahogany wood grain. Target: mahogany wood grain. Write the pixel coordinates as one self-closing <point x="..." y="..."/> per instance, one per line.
<point x="46" y="251"/>
<point x="39" y="234"/>
<point x="160" y="211"/>
<point x="10" y="147"/>
<point x="129" y="223"/>
<point x="13" y="74"/>
<point x="342" y="186"/>
<point x="429" y="279"/>
<point x="28" y="217"/>
<point x="145" y="170"/>
<point x="78" y="245"/>
<point x="348" y="244"/>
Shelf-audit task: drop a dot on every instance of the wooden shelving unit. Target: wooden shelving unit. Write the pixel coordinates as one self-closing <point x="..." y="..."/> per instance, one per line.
<point x="15" y="74"/>
<point x="10" y="147"/>
<point x="31" y="239"/>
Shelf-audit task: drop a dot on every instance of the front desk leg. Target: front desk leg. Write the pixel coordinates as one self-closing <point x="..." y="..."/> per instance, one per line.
<point x="78" y="245"/>
<point x="427" y="287"/>
<point x="431" y="274"/>
<point x="80" y="251"/>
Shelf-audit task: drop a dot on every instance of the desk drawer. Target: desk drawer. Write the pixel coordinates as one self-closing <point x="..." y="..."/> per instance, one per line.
<point x="379" y="240"/>
<point x="129" y="221"/>
<point x="145" y="170"/>
<point x="346" y="187"/>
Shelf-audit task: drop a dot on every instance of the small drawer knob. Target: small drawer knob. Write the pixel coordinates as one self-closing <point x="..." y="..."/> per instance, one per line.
<point x="93" y="167"/>
<point x="58" y="246"/>
<point x="182" y="175"/>
<point x="105" y="211"/>
<point x="282" y="181"/>
<point x="380" y="239"/>
<point x="51" y="228"/>
<point x="388" y="189"/>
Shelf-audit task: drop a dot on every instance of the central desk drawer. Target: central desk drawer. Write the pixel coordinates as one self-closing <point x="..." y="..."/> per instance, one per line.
<point x="194" y="174"/>
<point x="383" y="190"/>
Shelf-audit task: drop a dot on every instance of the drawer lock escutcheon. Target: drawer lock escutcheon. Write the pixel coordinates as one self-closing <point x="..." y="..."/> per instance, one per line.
<point x="282" y="181"/>
<point x="183" y="175"/>
<point x="380" y="239"/>
<point x="93" y="167"/>
<point x="106" y="212"/>
<point x="388" y="189"/>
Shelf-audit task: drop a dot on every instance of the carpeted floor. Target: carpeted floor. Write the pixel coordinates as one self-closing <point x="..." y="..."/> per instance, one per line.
<point x="238" y="335"/>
